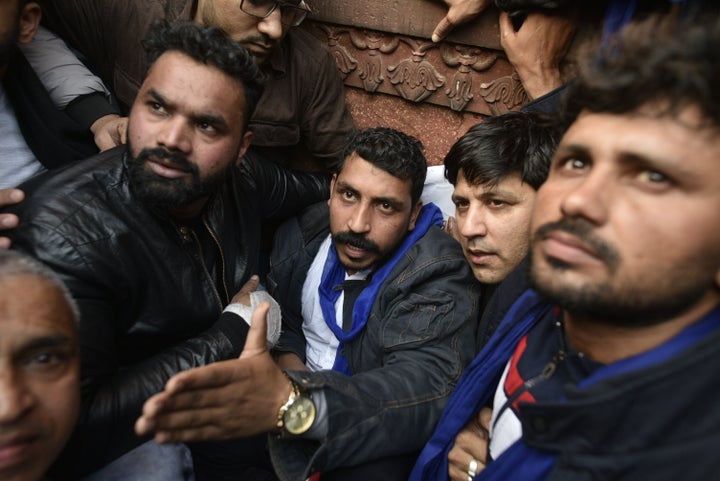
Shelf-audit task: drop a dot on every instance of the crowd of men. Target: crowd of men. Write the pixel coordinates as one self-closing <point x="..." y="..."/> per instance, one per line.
<point x="563" y="324"/>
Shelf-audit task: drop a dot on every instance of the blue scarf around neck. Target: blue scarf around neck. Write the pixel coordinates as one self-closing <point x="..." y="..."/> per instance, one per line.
<point x="333" y="276"/>
<point x="522" y="462"/>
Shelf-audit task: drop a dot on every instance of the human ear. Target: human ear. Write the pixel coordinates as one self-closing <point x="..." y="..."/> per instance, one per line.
<point x="247" y="138"/>
<point x="29" y="22"/>
<point x="414" y="214"/>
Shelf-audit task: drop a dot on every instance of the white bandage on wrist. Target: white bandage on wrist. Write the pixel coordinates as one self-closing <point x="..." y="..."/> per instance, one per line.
<point x="274" y="318"/>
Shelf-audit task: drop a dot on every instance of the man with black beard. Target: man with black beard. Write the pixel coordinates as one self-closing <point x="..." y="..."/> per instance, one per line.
<point x="609" y="368"/>
<point x="153" y="239"/>
<point x="379" y="316"/>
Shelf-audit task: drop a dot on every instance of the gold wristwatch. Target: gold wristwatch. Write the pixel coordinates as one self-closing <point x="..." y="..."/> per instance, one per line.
<point x="297" y="415"/>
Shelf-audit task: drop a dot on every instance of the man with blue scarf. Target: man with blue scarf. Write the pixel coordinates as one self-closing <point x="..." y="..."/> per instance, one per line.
<point x="379" y="319"/>
<point x="609" y="368"/>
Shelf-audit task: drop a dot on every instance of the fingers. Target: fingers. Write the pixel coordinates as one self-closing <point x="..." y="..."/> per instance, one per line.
<point x="121" y="131"/>
<point x="11" y="196"/>
<point x="484" y="417"/>
<point x="452" y="228"/>
<point x="460" y="468"/>
<point x="191" y="425"/>
<point x="243" y="295"/>
<point x="256" y="342"/>
<point x="213" y="375"/>
<point x="197" y="389"/>
<point x="506" y="27"/>
<point x="251" y="285"/>
<point x="469" y="452"/>
<point x="460" y="463"/>
<point x="459" y="12"/>
<point x="443" y="28"/>
<point x="187" y="435"/>
<point x="9" y="221"/>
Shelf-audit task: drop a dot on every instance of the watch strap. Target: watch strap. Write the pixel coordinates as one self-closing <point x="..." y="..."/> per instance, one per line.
<point x="294" y="393"/>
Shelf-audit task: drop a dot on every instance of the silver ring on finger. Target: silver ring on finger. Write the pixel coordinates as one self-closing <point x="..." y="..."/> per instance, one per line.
<point x="472" y="469"/>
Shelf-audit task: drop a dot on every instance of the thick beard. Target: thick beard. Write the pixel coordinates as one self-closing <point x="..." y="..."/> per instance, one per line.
<point x="622" y="305"/>
<point x="163" y="193"/>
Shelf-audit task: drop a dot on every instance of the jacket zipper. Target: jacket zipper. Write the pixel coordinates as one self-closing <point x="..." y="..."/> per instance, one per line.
<point x="544" y="375"/>
<point x="222" y="261"/>
<point x="205" y="269"/>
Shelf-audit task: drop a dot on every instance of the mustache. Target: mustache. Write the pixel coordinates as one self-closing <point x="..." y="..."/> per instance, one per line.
<point x="357" y="240"/>
<point x="260" y="38"/>
<point x="177" y="158"/>
<point x="583" y="230"/>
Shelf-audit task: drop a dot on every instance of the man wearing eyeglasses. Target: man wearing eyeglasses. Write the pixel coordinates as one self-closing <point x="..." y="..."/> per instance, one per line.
<point x="301" y="120"/>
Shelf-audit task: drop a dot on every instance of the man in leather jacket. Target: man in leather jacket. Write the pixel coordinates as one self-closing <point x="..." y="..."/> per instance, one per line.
<point x="301" y="119"/>
<point x="153" y="239"/>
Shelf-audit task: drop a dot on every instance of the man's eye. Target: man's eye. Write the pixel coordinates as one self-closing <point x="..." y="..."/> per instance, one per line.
<point x="156" y="106"/>
<point x="460" y="204"/>
<point x="45" y="360"/>
<point x="206" y="127"/>
<point x="497" y="203"/>
<point x="653" y="177"/>
<point x="386" y="207"/>
<point x="573" y="163"/>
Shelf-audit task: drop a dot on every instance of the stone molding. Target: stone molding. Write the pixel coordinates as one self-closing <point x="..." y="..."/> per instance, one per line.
<point x="463" y="78"/>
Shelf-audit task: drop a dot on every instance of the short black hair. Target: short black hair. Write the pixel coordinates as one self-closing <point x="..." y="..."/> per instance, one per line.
<point x="211" y="46"/>
<point x="399" y="154"/>
<point x="671" y="60"/>
<point x="513" y="143"/>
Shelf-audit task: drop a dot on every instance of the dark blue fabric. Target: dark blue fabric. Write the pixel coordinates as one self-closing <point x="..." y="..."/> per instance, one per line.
<point x="621" y="12"/>
<point x="334" y="274"/>
<point x="475" y="387"/>
<point x="689" y="336"/>
<point x="520" y="461"/>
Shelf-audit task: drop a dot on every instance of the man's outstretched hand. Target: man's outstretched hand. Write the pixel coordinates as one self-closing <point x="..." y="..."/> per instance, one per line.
<point x="224" y="400"/>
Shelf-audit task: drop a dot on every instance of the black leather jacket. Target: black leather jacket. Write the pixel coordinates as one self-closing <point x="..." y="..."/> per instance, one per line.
<point x="149" y="300"/>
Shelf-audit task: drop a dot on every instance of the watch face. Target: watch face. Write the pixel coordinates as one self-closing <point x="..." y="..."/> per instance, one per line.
<point x="300" y="415"/>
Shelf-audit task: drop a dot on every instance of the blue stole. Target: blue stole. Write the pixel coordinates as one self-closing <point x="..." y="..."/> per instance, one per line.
<point x="520" y="461"/>
<point x="333" y="276"/>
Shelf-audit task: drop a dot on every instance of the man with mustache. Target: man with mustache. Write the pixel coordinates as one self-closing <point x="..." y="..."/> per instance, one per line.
<point x="301" y="119"/>
<point x="379" y="316"/>
<point x="39" y="367"/>
<point x="608" y="368"/>
<point x="153" y="239"/>
<point x="496" y="169"/>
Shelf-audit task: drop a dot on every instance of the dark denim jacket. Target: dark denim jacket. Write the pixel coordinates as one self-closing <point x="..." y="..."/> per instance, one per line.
<point x="419" y="337"/>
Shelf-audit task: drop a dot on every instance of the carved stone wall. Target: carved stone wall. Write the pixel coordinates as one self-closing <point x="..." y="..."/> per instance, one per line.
<point x="395" y="76"/>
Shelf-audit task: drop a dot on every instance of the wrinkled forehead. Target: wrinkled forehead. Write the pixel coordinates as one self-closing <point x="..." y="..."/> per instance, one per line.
<point x="34" y="302"/>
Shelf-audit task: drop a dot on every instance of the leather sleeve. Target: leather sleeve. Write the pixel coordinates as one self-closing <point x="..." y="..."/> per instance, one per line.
<point x="296" y="243"/>
<point x="113" y="396"/>
<point x="284" y="192"/>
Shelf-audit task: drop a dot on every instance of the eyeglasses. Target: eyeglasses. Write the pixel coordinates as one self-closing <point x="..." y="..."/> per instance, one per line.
<point x="291" y="15"/>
